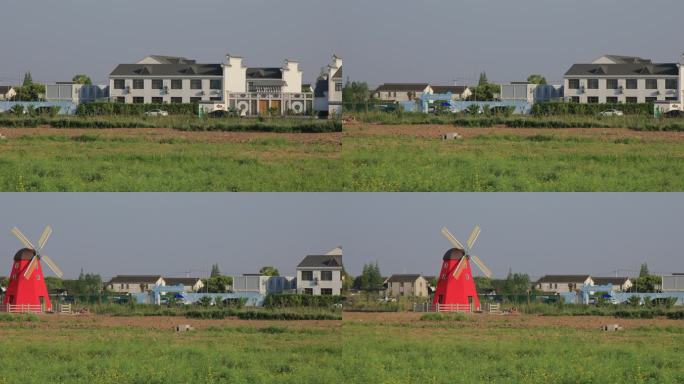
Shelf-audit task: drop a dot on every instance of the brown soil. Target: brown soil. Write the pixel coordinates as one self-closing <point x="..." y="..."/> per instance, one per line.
<point x="514" y="321"/>
<point x="436" y="130"/>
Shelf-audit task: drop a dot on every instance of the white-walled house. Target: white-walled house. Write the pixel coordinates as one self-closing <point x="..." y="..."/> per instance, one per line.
<point x="134" y="283"/>
<point x="620" y="284"/>
<point x="397" y="92"/>
<point x="263" y="284"/>
<point x="624" y="79"/>
<point x="328" y="89"/>
<point x="320" y="274"/>
<point x="412" y="285"/>
<point x="190" y="284"/>
<point x="563" y="283"/>
<point x="7" y="92"/>
<point x="75" y="93"/>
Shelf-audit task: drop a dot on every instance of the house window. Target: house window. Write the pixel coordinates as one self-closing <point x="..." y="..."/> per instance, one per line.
<point x="308" y="291"/>
<point x="196" y="84"/>
<point x="670" y="83"/>
<point x="326" y="275"/>
<point x="215" y="84"/>
<point x="157" y="84"/>
<point x="120" y="99"/>
<point x="338" y="87"/>
<point x="138" y="100"/>
<point x="573" y="83"/>
<point x="326" y="291"/>
<point x="631" y="100"/>
<point x="307" y="275"/>
<point x="631" y="83"/>
<point x="651" y="83"/>
<point x="176" y="84"/>
<point x="592" y="99"/>
<point x="574" y="99"/>
<point x="611" y="99"/>
<point x="195" y="99"/>
<point x="592" y="83"/>
<point x="176" y="100"/>
<point x="119" y="83"/>
<point x="651" y="99"/>
<point x="138" y="84"/>
<point x="215" y="98"/>
<point x="611" y="84"/>
<point x="671" y="98"/>
<point x="157" y="100"/>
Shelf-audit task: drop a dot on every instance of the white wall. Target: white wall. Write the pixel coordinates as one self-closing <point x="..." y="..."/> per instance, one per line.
<point x="234" y="75"/>
<point x="292" y="77"/>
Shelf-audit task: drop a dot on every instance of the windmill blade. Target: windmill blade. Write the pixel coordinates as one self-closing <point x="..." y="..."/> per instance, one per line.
<point x="33" y="264"/>
<point x="459" y="268"/>
<point x="452" y="239"/>
<point x="480" y="264"/>
<point x="16" y="232"/>
<point x="45" y="236"/>
<point x="473" y="236"/>
<point x="52" y="265"/>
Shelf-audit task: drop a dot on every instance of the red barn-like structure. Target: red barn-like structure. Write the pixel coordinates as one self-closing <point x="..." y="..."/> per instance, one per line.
<point x="30" y="292"/>
<point x="456" y="289"/>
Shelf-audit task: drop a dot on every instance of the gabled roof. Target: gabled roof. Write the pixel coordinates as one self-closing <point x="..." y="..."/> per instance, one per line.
<point x="454" y="89"/>
<point x="321" y="261"/>
<point x="590" y="70"/>
<point x="338" y="74"/>
<point x="5" y="88"/>
<point x="149" y="279"/>
<point x="563" y="279"/>
<point x="619" y="59"/>
<point x="181" y="280"/>
<point x="610" y="280"/>
<point x="162" y="59"/>
<point x="403" y="278"/>
<point x="265" y="73"/>
<point x="402" y="87"/>
<point x="167" y="70"/>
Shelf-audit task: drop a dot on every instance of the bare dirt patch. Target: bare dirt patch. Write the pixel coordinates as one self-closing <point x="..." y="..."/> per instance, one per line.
<point x="436" y="130"/>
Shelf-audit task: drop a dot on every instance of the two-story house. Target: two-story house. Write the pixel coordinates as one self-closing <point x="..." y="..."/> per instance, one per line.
<point x="563" y="283"/>
<point x="320" y="274"/>
<point x="134" y="283"/>
<point x="620" y="284"/>
<point x="328" y="89"/>
<point x="406" y="285"/>
<point x="398" y="92"/>
<point x="263" y="284"/>
<point x="190" y="284"/>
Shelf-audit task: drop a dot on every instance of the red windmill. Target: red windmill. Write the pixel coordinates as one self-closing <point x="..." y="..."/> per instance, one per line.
<point x="456" y="287"/>
<point x="26" y="290"/>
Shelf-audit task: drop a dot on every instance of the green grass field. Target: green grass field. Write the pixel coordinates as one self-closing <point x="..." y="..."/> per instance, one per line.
<point x="509" y="351"/>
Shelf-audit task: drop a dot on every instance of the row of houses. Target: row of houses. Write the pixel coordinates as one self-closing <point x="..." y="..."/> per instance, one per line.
<point x="316" y="275"/>
<point x="607" y="79"/>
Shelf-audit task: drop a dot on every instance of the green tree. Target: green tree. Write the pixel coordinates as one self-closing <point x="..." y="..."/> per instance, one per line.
<point x="82" y="79"/>
<point x="536" y="78"/>
<point x="3" y="282"/>
<point x="370" y="278"/>
<point x="483" y="284"/>
<point x="215" y="271"/>
<point x="347" y="281"/>
<point x="482" y="80"/>
<point x="28" y="80"/>
<point x="355" y="92"/>
<point x="269" y="271"/>
<point x="53" y="283"/>
<point x="643" y="271"/>
<point x="217" y="284"/>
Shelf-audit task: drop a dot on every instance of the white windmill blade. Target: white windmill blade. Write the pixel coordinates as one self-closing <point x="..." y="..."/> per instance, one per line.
<point x="480" y="264"/>
<point x="16" y="232"/>
<point x="45" y="236"/>
<point x="459" y="268"/>
<point x="473" y="236"/>
<point x="52" y="265"/>
<point x="33" y="264"/>
<point x="452" y="239"/>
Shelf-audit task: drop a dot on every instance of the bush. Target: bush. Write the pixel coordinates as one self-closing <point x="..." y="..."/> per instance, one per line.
<point x="121" y="109"/>
<point x="678" y="315"/>
<point x="273" y="125"/>
<point x="290" y="300"/>
<point x="443" y="317"/>
<point x="268" y="315"/>
<point x="17" y="110"/>
<point x="555" y="108"/>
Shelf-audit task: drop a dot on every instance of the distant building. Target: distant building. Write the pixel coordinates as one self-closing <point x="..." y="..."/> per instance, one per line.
<point x="673" y="283"/>
<point x="190" y="284"/>
<point x="134" y="283"/>
<point x="563" y="283"/>
<point x="398" y="92"/>
<point x="264" y="284"/>
<point x="75" y="93"/>
<point x="531" y="93"/>
<point x="406" y="285"/>
<point x="328" y="91"/>
<point x="320" y="274"/>
<point x="620" y="284"/>
<point x="7" y="92"/>
<point x="458" y="92"/>
<point x="624" y="79"/>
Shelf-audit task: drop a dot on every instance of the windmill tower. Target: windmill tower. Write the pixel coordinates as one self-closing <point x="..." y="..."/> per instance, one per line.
<point x="455" y="286"/>
<point x="26" y="288"/>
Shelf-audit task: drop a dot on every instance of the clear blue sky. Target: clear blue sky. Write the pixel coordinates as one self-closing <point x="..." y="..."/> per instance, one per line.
<point x="170" y="233"/>
<point x="381" y="40"/>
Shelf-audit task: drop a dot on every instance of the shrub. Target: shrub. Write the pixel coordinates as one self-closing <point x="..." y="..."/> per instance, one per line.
<point x="108" y="108"/>
<point x="268" y="315"/>
<point x="678" y="315"/>
<point x="555" y="108"/>
<point x="443" y="317"/>
<point x="17" y="110"/>
<point x="290" y="300"/>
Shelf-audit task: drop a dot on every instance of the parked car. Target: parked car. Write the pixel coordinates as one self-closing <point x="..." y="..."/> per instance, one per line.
<point x="611" y="112"/>
<point x="674" y="113"/>
<point x="156" y="112"/>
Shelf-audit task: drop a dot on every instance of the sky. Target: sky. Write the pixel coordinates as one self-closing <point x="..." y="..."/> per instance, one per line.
<point x="177" y="233"/>
<point x="435" y="41"/>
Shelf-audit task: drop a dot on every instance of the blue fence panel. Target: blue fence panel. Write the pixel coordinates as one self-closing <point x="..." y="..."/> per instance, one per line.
<point x="65" y="107"/>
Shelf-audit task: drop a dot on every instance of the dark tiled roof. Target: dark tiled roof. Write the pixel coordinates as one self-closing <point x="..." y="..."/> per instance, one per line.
<point x="264" y="73"/>
<point x="135" y="279"/>
<point x="181" y="280"/>
<point x="404" y="278"/>
<point x="627" y="59"/>
<point x="402" y="87"/>
<point x="610" y="280"/>
<point x="630" y="70"/>
<point x="172" y="59"/>
<point x="167" y="70"/>
<point x="321" y="261"/>
<point x="338" y="74"/>
<point x="5" y="88"/>
<point x="455" y="89"/>
<point x="563" y="279"/>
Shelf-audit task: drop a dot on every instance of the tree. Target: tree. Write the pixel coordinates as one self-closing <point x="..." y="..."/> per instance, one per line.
<point x="483" y="284"/>
<point x="484" y="91"/>
<point x="355" y="92"/>
<point x="483" y="79"/>
<point x="217" y="284"/>
<point x="643" y="271"/>
<point x="370" y="279"/>
<point x="536" y="78"/>
<point x="215" y="271"/>
<point x="347" y="281"/>
<point x="82" y="79"/>
<point x="269" y="271"/>
<point x="28" y="80"/>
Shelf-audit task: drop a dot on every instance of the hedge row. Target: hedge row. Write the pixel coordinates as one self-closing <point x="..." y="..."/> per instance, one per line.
<point x="265" y="315"/>
<point x="213" y="314"/>
<point x="290" y="300"/>
<point x="551" y="108"/>
<point x="294" y="126"/>
<point x="96" y="109"/>
<point x="74" y="123"/>
<point x="679" y="315"/>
